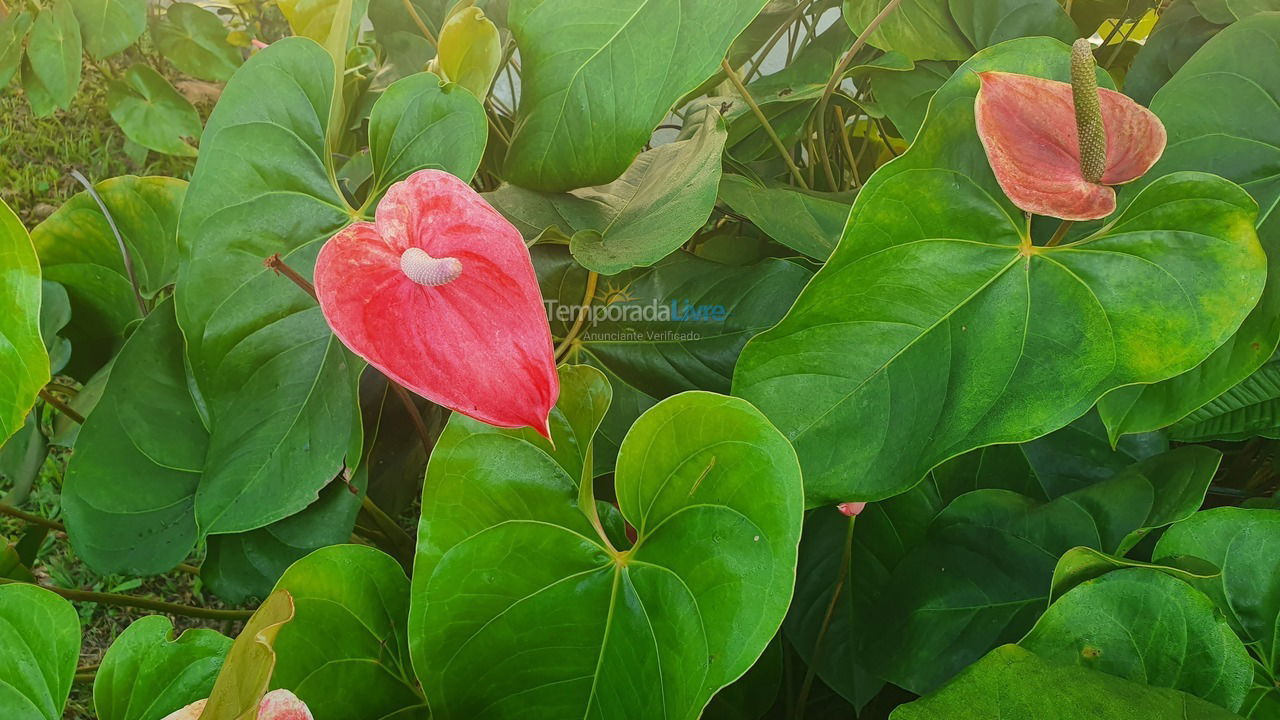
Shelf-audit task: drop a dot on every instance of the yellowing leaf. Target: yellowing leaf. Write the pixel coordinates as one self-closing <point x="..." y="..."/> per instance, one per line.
<point x="247" y="672"/>
<point x="470" y="50"/>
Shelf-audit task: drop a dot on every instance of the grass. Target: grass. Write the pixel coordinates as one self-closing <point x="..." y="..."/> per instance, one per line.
<point x="37" y="154"/>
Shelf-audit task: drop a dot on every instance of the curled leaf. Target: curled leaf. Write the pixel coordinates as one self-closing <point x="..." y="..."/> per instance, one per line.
<point x="1028" y="128"/>
<point x="470" y="49"/>
<point x="439" y="294"/>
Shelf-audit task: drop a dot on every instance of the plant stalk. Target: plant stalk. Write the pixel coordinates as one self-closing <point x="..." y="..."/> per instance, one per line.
<point x="592" y="278"/>
<point x="764" y="122"/>
<point x="60" y="406"/>
<point x="124" y="250"/>
<point x="422" y="26"/>
<point x="139" y="602"/>
<point x="13" y="512"/>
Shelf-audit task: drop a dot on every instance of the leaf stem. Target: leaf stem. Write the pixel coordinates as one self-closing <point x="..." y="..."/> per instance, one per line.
<point x="398" y="540"/>
<point x="592" y="278"/>
<point x="60" y="406"/>
<point x="139" y="602"/>
<point x="842" y="573"/>
<point x="847" y="149"/>
<point x="422" y="26"/>
<point x="414" y="416"/>
<point x="124" y="250"/>
<point x="764" y="121"/>
<point x="1060" y="233"/>
<point x="834" y="81"/>
<point x="13" y="512"/>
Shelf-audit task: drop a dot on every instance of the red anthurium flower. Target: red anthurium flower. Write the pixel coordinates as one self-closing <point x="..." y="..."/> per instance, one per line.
<point x="439" y="294"/>
<point x="1031" y="130"/>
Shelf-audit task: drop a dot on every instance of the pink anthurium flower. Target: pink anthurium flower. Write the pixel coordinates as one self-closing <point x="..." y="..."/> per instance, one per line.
<point x="439" y="294"/>
<point x="276" y="705"/>
<point x="1034" y="130"/>
<point x="850" y="509"/>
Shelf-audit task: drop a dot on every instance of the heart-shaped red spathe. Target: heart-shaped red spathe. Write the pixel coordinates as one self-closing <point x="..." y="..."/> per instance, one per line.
<point x="1028" y="128"/>
<point x="439" y="293"/>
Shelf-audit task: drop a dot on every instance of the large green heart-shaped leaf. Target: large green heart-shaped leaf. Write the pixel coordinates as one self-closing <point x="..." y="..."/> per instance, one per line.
<point x="904" y="96"/>
<point x="1239" y="68"/>
<point x="78" y="249"/>
<point x="938" y="327"/>
<point x="1178" y="34"/>
<point x="147" y="673"/>
<point x="989" y="22"/>
<point x="1015" y="684"/>
<point x="39" y="646"/>
<point x="940" y="574"/>
<point x="152" y="113"/>
<point x="346" y="654"/>
<point x="657" y="331"/>
<point x="810" y="223"/>
<point x="195" y="40"/>
<point x="22" y="351"/>
<point x="1143" y="625"/>
<point x="1244" y="544"/>
<point x="919" y="29"/>
<point x="647" y="52"/>
<point x="523" y="604"/>
<point x="51" y="69"/>
<point x="129" y="493"/>
<point x="109" y="26"/>
<point x="280" y="389"/>
<point x="656" y="206"/>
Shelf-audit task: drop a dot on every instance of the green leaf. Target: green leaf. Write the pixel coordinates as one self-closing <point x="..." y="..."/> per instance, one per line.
<point x="751" y="696"/>
<point x="22" y="351"/>
<point x="937" y="327"/>
<point x="78" y="249"/>
<point x="316" y="18"/>
<point x="1015" y="684"/>
<point x="1143" y="625"/>
<point x="807" y="222"/>
<point x="147" y="673"/>
<point x="280" y="389"/>
<point x="21" y="457"/>
<point x="656" y="206"/>
<point x="51" y="70"/>
<point x="421" y="123"/>
<point x="345" y="654"/>
<point x="130" y="488"/>
<point x="39" y="646"/>
<point x="649" y="52"/>
<point x="195" y="40"/>
<point x="55" y="313"/>
<point x="1178" y="34"/>
<point x="1081" y="564"/>
<point x="11" y="566"/>
<point x="152" y="113"/>
<point x="905" y="96"/>
<point x="520" y="602"/>
<point x="919" y="29"/>
<point x="657" y="331"/>
<point x="109" y="26"/>
<point x="990" y="22"/>
<point x="1244" y="543"/>
<point x="1250" y="409"/>
<point x="243" y="566"/>
<point x="13" y="35"/>
<point x="962" y="561"/>
<point x="1240" y="67"/>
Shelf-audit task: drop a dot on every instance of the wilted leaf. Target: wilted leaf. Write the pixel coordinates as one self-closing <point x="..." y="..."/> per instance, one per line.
<point x="246" y="673"/>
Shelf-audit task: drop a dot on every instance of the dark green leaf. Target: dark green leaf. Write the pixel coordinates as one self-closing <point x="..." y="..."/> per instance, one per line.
<point x="1250" y="409"/>
<point x="55" y="313"/>
<point x="1081" y="564"/>
<point x="13" y="35"/>
<point x="937" y="327"/>
<point x="519" y="603"/>
<point x="152" y="113"/>
<point x="810" y="223"/>
<point x="147" y="673"/>
<point x="905" y="96"/>
<point x="990" y="22"/>
<point x="919" y="29"/>
<point x="1143" y="625"/>
<point x="648" y="52"/>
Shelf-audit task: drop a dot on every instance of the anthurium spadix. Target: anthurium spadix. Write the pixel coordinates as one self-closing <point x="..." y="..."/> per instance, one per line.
<point x="1057" y="148"/>
<point x="439" y="294"/>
